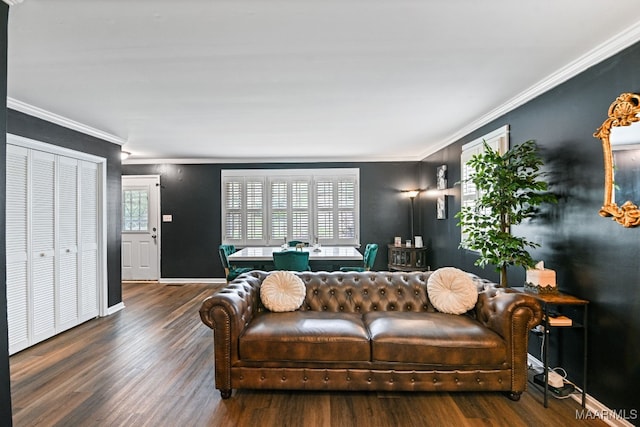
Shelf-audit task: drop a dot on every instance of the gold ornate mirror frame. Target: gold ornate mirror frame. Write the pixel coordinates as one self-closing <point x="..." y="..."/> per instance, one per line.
<point x="622" y="112"/>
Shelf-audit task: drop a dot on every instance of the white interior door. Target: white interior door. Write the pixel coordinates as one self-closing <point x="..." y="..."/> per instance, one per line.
<point x="140" y="227"/>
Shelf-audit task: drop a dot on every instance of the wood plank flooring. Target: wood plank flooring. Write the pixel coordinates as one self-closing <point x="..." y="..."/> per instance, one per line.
<point x="151" y="364"/>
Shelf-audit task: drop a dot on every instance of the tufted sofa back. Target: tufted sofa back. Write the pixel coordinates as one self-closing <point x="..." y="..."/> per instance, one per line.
<point x="361" y="292"/>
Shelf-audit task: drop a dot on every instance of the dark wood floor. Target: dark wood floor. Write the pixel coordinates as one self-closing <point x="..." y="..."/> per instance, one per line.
<point x="151" y="364"/>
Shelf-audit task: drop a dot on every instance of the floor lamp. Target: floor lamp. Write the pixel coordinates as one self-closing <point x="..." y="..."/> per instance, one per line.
<point x="412" y="195"/>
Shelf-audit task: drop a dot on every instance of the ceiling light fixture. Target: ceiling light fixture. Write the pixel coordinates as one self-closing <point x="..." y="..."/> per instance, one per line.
<point x="124" y="155"/>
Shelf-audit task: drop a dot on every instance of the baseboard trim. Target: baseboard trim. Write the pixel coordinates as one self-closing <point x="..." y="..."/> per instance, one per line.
<point x="115" y="308"/>
<point x="593" y="408"/>
<point x="178" y="281"/>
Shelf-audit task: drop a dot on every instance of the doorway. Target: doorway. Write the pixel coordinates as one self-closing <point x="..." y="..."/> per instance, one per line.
<point x="141" y="227"/>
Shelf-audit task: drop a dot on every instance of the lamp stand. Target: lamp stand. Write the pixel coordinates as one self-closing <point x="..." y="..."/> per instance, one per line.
<point x="411" y="236"/>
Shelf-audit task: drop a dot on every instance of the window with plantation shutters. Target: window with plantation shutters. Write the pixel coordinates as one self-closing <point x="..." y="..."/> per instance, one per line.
<point x="279" y="210"/>
<point x="346" y="209"/>
<point x="255" y="211"/>
<point x="300" y="210"/>
<point x="270" y="207"/>
<point x="325" y="209"/>
<point x="232" y="194"/>
<point x="497" y="140"/>
<point x="289" y="209"/>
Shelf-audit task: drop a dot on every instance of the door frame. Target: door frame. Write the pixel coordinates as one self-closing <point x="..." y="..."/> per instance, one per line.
<point x="158" y="217"/>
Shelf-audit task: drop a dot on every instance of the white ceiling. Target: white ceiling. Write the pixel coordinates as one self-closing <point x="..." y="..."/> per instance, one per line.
<point x="294" y="80"/>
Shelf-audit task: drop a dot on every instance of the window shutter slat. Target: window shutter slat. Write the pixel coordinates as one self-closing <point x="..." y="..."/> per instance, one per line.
<point x="346" y="195"/>
<point x="324" y="196"/>
<point x="300" y="195"/>
<point x="234" y="195"/>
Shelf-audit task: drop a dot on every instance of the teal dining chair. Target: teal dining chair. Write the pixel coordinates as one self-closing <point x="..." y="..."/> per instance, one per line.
<point x="291" y="260"/>
<point x="370" y="252"/>
<point x="294" y="243"/>
<point x="230" y="271"/>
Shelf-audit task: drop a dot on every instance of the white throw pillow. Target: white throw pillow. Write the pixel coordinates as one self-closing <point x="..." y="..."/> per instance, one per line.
<point x="282" y="291"/>
<point x="451" y="291"/>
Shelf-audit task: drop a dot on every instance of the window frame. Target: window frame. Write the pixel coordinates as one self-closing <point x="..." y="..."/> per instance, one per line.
<point x="139" y="189"/>
<point x="290" y="176"/>
<point x="497" y="140"/>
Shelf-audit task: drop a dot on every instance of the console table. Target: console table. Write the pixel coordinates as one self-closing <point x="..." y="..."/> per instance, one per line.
<point x="550" y="302"/>
<point x="407" y="258"/>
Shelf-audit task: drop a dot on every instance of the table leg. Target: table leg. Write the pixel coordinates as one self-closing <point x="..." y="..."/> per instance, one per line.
<point x="584" y="361"/>
<point x="546" y="356"/>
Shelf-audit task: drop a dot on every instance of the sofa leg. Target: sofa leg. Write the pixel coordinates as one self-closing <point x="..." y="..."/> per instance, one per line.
<point x="514" y="395"/>
<point x="225" y="394"/>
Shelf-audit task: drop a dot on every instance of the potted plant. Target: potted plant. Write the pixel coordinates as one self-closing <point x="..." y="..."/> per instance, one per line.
<point x="510" y="190"/>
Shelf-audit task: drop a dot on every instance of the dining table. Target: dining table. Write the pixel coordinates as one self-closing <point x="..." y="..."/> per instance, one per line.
<point x="321" y="258"/>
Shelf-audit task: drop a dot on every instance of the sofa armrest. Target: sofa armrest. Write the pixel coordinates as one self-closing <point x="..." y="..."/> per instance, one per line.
<point x="239" y="299"/>
<point x="511" y="315"/>
<point x="228" y="312"/>
<point x="505" y="311"/>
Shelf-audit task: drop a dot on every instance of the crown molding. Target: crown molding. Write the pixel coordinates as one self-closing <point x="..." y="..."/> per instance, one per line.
<point x="262" y="160"/>
<point x="40" y="113"/>
<point x="12" y="2"/>
<point x="617" y="43"/>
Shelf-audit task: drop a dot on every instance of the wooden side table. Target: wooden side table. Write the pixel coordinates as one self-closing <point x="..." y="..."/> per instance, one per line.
<point x="549" y="303"/>
<point x="407" y="258"/>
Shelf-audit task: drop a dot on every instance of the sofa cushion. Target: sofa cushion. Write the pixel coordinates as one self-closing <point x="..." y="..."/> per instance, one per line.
<point x="452" y="291"/>
<point x="433" y="338"/>
<point x="282" y="291"/>
<point x="306" y="336"/>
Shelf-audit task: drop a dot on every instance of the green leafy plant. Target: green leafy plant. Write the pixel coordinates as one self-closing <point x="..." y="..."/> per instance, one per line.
<point x="511" y="189"/>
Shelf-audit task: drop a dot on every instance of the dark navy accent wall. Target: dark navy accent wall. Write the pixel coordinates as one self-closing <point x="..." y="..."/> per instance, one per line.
<point x="191" y="193"/>
<point x="5" y="383"/>
<point x="594" y="257"/>
<point x="40" y="130"/>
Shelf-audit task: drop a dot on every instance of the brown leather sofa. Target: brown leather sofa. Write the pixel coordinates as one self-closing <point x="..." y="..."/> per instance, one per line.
<point x="369" y="331"/>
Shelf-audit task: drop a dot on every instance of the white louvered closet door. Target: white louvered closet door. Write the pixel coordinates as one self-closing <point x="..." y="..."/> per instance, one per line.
<point x="53" y="242"/>
<point x="16" y="248"/>
<point x="89" y="214"/>
<point x="43" y="174"/>
<point x="67" y="289"/>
